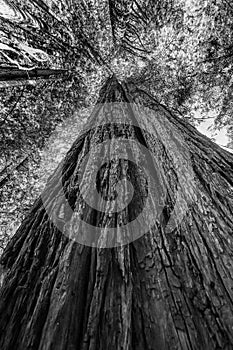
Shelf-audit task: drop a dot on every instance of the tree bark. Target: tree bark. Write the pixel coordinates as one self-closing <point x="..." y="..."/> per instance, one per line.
<point x="169" y="289"/>
<point x="7" y="74"/>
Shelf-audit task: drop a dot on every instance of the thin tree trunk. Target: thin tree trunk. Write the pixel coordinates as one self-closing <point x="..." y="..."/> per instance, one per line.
<point x="7" y="74"/>
<point x="169" y="289"/>
<point x="7" y="172"/>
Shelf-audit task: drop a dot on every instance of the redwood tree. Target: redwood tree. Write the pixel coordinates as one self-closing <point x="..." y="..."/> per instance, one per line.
<point x="168" y="288"/>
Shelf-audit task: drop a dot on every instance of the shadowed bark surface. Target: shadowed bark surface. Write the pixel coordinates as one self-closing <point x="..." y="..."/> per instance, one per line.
<point x="169" y="289"/>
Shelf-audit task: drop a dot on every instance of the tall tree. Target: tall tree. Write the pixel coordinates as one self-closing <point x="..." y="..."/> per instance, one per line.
<point x="169" y="287"/>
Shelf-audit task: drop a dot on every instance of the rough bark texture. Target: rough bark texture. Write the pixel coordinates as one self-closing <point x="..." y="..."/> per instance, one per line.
<point x="170" y="289"/>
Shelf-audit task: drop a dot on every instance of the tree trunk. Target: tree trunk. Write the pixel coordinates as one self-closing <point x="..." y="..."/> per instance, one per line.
<point x="5" y="174"/>
<point x="163" y="285"/>
<point x="7" y="74"/>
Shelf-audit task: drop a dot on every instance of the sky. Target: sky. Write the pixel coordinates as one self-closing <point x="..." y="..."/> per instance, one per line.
<point x="221" y="137"/>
